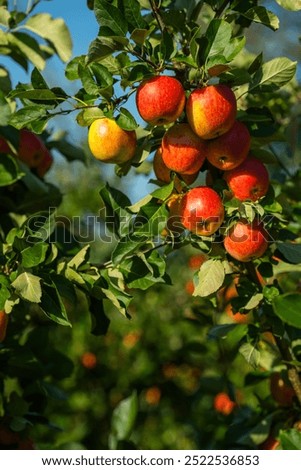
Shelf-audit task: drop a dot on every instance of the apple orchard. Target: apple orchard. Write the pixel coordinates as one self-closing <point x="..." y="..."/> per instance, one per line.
<point x="218" y="140"/>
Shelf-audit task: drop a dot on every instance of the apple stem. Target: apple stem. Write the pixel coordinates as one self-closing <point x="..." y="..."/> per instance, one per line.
<point x="156" y="13"/>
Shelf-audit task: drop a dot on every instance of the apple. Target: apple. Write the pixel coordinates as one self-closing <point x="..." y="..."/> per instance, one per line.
<point x="270" y="444"/>
<point x="223" y="404"/>
<point x="163" y="173"/>
<point x="4" y="147"/>
<point x="31" y="148"/>
<point x="249" y="180"/>
<point x="3" y="325"/>
<point x="160" y="100"/>
<point x="45" y="164"/>
<point x="230" y="149"/>
<point x="196" y="261"/>
<point x="201" y="210"/>
<point x="211" y="110"/>
<point x="246" y="241"/>
<point x="182" y="150"/>
<point x="174" y="226"/>
<point x="281" y="390"/>
<point x="110" y="143"/>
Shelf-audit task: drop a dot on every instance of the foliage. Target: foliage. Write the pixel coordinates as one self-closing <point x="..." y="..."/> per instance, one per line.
<point x="48" y="278"/>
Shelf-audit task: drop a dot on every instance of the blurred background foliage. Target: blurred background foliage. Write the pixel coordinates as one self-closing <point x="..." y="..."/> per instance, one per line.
<point x="163" y="353"/>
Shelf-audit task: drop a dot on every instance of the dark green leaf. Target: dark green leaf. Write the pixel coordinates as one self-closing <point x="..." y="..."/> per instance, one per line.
<point x="27" y="115"/>
<point x="132" y="13"/>
<point x="126" y="120"/>
<point x="290" y="251"/>
<point x="288" y="308"/>
<point x="260" y="14"/>
<point x="108" y="15"/>
<point x="100" y="322"/>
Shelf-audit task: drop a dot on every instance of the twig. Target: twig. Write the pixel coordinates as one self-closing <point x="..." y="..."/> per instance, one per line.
<point x="156" y="13"/>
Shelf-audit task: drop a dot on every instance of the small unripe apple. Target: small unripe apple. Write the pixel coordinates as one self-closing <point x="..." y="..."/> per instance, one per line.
<point x="160" y="100"/>
<point x="182" y="150"/>
<point x="163" y="173"/>
<point x="230" y="149"/>
<point x="211" y="110"/>
<point x="202" y="211"/>
<point x="249" y="180"/>
<point x="246" y="241"/>
<point x="110" y="143"/>
<point x="31" y="148"/>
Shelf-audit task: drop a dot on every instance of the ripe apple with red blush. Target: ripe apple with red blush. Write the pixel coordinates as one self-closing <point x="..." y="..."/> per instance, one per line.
<point x="246" y="241"/>
<point x="163" y="173"/>
<point x="160" y="100"/>
<point x="250" y="180"/>
<point x="211" y="110"/>
<point x="182" y="150"/>
<point x="202" y="210"/>
<point x="230" y="149"/>
<point x="31" y="148"/>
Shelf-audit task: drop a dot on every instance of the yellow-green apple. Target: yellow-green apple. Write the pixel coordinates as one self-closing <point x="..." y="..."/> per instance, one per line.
<point x="3" y="325"/>
<point x="201" y="210"/>
<point x="249" y="180"/>
<point x="160" y="100"/>
<point x="31" y="148"/>
<point x="110" y="143"/>
<point x="45" y="164"/>
<point x="211" y="110"/>
<point x="182" y="150"/>
<point x="246" y="241"/>
<point x="230" y="149"/>
<point x="163" y="173"/>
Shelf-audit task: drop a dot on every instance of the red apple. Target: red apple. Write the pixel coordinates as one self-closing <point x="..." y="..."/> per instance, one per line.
<point x="230" y="149"/>
<point x="202" y="211"/>
<point x="4" y="147"/>
<point x="45" y="164"/>
<point x="160" y="100"/>
<point x="249" y="180"/>
<point x="281" y="389"/>
<point x="31" y="148"/>
<point x="182" y="150"/>
<point x="163" y="173"/>
<point x="211" y="110"/>
<point x="246" y="241"/>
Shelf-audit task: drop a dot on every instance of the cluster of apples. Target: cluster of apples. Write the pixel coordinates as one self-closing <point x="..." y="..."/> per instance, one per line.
<point x="31" y="150"/>
<point x="202" y="127"/>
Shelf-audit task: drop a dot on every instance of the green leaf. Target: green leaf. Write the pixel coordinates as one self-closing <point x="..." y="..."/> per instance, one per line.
<point x="290" y="439"/>
<point x="99" y="50"/>
<point x="151" y="219"/>
<point x="250" y="353"/>
<point x="132" y="14"/>
<point x="288" y="308"/>
<point x="261" y="15"/>
<point x="124" y="417"/>
<point x="116" y="214"/>
<point x="290" y="251"/>
<point x="53" y="30"/>
<point x="210" y="278"/>
<point x="34" y="255"/>
<point x="293" y="5"/>
<point x="28" y="47"/>
<point x="114" y="290"/>
<point x="37" y="95"/>
<point x="127" y="246"/>
<point x="276" y="73"/>
<point x="218" y="34"/>
<point x="28" y="287"/>
<point x="80" y="258"/>
<point x="221" y="331"/>
<point x="27" y="115"/>
<point x="9" y="170"/>
<point x="126" y="120"/>
<point x="108" y="15"/>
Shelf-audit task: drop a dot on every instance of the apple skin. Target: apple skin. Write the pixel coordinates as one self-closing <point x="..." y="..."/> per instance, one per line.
<point x="246" y="241"/>
<point x="249" y="180"/>
<point x="202" y="211"/>
<point x="4" y="147"/>
<point x="163" y="173"/>
<point x="45" y="164"/>
<point x="282" y="392"/>
<point x="109" y="143"/>
<point x="160" y="100"/>
<point x="31" y="149"/>
<point x="211" y="110"/>
<point x="3" y="325"/>
<point x="230" y="149"/>
<point x="182" y="150"/>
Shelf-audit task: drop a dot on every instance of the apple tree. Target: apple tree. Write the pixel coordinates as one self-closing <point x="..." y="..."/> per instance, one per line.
<point x="170" y="89"/>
